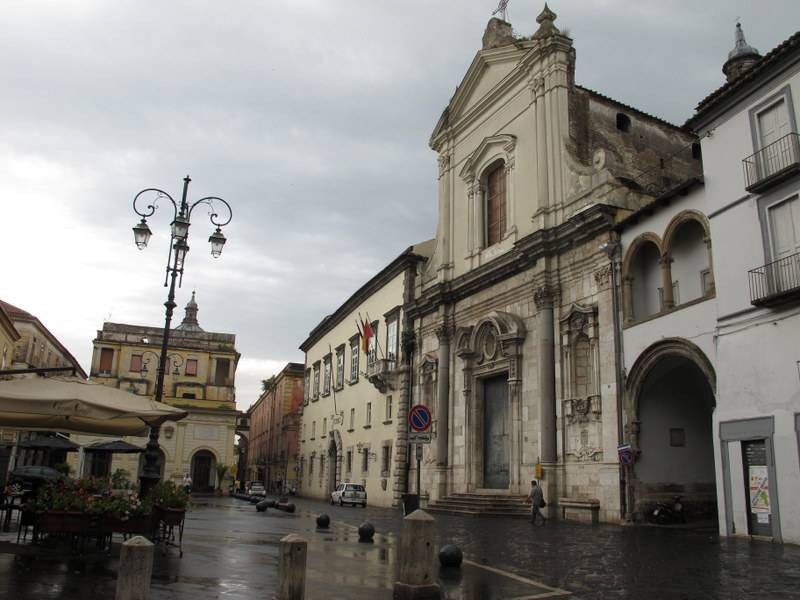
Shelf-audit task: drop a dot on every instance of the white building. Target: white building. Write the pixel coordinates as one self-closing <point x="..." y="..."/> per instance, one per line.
<point x="669" y="320"/>
<point x="751" y="157"/>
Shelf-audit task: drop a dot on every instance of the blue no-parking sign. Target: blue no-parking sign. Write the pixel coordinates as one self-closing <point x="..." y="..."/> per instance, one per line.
<point x="419" y="418"/>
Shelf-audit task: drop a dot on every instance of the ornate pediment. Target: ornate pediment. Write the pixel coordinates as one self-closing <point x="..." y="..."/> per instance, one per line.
<point x="491" y="148"/>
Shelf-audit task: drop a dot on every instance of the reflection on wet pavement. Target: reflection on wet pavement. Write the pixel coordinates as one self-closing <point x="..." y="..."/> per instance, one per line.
<point x="231" y="552"/>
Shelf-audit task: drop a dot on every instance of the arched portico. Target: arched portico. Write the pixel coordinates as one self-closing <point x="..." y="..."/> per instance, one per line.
<point x="670" y="399"/>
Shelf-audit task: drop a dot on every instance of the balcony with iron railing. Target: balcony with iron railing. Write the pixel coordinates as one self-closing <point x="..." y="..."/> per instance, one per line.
<point x="772" y="164"/>
<point x="775" y="282"/>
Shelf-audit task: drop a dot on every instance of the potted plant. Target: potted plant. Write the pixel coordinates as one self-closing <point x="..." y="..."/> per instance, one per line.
<point x="221" y="471"/>
<point x="169" y="502"/>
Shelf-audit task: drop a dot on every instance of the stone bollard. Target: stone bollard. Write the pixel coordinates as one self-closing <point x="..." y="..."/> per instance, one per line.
<point x="417" y="559"/>
<point x="135" y="569"/>
<point x="292" y="568"/>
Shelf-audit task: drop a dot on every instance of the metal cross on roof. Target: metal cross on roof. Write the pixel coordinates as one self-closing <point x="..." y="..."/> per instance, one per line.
<point x="502" y="8"/>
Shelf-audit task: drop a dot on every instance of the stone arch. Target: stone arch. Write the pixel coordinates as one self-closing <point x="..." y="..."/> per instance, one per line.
<point x="630" y="289"/>
<point x="678" y="220"/>
<point x="334" y="453"/>
<point x="203" y="471"/>
<point x="669" y="402"/>
<point x="635" y="245"/>
<point x="671" y="254"/>
<point x="658" y="351"/>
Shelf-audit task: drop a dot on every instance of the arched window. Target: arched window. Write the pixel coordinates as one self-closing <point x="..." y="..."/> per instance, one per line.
<point x="495" y="204"/>
<point x="690" y="269"/>
<point x="646" y="286"/>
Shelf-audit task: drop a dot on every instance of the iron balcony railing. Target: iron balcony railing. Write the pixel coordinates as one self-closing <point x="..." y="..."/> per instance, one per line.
<point x="772" y="163"/>
<point x="775" y="281"/>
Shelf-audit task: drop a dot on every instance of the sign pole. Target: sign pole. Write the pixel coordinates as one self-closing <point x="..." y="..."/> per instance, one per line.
<point x="419" y="471"/>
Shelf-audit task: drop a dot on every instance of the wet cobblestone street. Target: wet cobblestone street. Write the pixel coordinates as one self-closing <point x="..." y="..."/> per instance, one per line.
<point x="231" y="553"/>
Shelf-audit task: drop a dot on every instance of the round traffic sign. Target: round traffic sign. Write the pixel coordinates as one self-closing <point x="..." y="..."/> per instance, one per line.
<point x="419" y="418"/>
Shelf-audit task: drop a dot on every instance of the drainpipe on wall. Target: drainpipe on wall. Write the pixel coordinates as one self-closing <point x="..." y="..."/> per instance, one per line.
<point x="613" y="250"/>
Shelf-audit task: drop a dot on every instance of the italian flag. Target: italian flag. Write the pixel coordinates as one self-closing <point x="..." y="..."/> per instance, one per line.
<point x="367" y="336"/>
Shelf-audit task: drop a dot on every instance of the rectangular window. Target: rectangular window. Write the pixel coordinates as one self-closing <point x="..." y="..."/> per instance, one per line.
<point x="324" y="427"/>
<point x="349" y="461"/>
<point x="352" y="418"/>
<point x="388" y="408"/>
<point x="372" y="354"/>
<point x="339" y="367"/>
<point x="365" y="460"/>
<point x="223" y="369"/>
<point x="136" y="363"/>
<point x="783" y="221"/>
<point x="311" y="466"/>
<point x="307" y="385"/>
<point x="313" y="429"/>
<point x="677" y="437"/>
<point x="391" y="340"/>
<point x="316" y="380"/>
<point x="106" y="360"/>
<point x="386" y="452"/>
<point x="495" y="205"/>
<point x="369" y="414"/>
<point x="355" y="347"/>
<point x="191" y="367"/>
<point x="326" y="385"/>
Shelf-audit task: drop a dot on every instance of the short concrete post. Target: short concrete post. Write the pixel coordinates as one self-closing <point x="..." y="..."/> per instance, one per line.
<point x="292" y="568"/>
<point x="135" y="569"/>
<point x="417" y="559"/>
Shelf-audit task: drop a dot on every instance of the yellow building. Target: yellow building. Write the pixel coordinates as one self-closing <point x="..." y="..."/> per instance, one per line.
<point x="26" y="343"/>
<point x="353" y="425"/>
<point x="201" y="370"/>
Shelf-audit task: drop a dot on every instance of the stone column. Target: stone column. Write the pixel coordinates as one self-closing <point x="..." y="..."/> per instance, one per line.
<point x="712" y="286"/>
<point x="544" y="297"/>
<point x="627" y="300"/>
<point x="135" y="569"/>
<point x="666" y="281"/>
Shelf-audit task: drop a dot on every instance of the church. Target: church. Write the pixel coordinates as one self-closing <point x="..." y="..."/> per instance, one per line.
<point x="514" y="313"/>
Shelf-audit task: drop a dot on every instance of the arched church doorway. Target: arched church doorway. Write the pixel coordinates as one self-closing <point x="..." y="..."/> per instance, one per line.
<point x="674" y="403"/>
<point x="203" y="465"/>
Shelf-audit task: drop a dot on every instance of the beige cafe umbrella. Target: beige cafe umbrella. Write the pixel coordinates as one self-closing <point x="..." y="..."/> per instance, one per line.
<point x="74" y="405"/>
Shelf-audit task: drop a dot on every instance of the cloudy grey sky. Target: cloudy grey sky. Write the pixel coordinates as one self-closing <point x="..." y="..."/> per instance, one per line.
<point x="311" y="117"/>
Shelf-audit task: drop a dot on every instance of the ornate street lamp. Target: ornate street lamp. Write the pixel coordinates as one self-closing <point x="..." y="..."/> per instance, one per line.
<point x="178" y="248"/>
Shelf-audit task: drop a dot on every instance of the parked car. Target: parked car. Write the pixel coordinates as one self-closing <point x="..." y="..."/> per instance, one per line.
<point x="256" y="488"/>
<point x="349" y="493"/>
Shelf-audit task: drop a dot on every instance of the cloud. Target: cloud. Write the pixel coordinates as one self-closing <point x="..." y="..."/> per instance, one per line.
<point x="310" y="117"/>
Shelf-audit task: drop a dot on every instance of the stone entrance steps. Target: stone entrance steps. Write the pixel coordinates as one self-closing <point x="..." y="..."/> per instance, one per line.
<point x="483" y="505"/>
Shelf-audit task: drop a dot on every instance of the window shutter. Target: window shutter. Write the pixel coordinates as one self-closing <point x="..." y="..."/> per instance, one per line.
<point x="495" y="206"/>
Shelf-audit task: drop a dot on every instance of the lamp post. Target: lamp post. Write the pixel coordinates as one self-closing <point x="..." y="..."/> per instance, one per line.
<point x="178" y="248"/>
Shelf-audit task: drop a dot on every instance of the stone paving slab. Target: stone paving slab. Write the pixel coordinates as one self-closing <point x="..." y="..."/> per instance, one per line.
<point x="231" y="552"/>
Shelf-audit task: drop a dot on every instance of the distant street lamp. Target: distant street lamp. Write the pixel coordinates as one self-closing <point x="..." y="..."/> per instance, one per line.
<point x="176" y="258"/>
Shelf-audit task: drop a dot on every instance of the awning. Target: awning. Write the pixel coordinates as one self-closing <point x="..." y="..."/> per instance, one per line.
<point x="113" y="447"/>
<point x="55" y="443"/>
<point x="78" y="406"/>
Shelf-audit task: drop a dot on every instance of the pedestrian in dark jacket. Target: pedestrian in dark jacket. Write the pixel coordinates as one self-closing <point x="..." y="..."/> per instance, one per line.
<point x="536" y="498"/>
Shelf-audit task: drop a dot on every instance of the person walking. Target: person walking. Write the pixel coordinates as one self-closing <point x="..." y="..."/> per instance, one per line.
<point x="536" y="498"/>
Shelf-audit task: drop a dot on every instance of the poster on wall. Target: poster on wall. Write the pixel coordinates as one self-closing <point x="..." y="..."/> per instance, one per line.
<point x="759" y="490"/>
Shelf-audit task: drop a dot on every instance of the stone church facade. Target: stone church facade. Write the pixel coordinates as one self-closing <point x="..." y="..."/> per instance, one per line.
<point x="514" y="313"/>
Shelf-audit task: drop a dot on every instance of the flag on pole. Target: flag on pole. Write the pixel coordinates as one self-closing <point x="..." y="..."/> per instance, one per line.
<point x="367" y="336"/>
